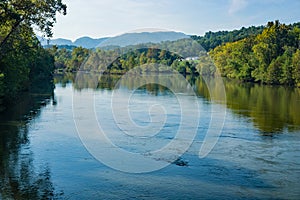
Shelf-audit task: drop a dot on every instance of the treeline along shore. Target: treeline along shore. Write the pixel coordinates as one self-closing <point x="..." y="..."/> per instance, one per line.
<point x="267" y="54"/>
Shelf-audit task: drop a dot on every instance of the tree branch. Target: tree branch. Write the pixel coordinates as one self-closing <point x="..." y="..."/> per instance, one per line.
<point x="9" y="34"/>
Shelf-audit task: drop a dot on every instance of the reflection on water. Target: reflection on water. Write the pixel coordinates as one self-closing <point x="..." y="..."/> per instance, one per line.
<point x="273" y="109"/>
<point x="18" y="177"/>
<point x="41" y="154"/>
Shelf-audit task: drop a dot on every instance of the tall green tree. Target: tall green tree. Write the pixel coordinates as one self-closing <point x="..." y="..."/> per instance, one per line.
<point x="22" y="59"/>
<point x="296" y="67"/>
<point x="268" y="57"/>
<point x="39" y="13"/>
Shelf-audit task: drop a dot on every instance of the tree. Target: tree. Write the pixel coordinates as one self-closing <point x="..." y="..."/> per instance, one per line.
<point x="211" y="40"/>
<point x="22" y="59"/>
<point x="41" y="13"/>
<point x="287" y="67"/>
<point x="274" y="72"/>
<point x="181" y="68"/>
<point x="265" y="58"/>
<point x="79" y="54"/>
<point x="296" y="66"/>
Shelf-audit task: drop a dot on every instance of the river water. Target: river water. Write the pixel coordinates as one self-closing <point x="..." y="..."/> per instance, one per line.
<point x="257" y="155"/>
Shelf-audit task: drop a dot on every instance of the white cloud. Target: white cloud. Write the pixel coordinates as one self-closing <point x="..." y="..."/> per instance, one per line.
<point x="237" y="5"/>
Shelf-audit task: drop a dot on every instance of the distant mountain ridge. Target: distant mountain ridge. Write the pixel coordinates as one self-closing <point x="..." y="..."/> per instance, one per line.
<point x="142" y="37"/>
<point x="121" y="40"/>
<point x="85" y="42"/>
<point x="58" y="41"/>
<point x="88" y="42"/>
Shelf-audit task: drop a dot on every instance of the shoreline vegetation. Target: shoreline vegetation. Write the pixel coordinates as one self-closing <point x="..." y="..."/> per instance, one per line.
<point x="24" y="63"/>
<point x="265" y="54"/>
<point x="271" y="57"/>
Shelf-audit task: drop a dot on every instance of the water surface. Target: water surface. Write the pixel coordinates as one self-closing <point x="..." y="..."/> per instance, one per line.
<point x="256" y="157"/>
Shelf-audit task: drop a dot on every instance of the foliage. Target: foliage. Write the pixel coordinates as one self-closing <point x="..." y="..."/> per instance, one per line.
<point x="41" y="13"/>
<point x="213" y="39"/>
<point x="110" y="61"/>
<point x="69" y="60"/>
<point x="296" y="69"/>
<point x="269" y="57"/>
<point x="265" y="54"/>
<point x="23" y="61"/>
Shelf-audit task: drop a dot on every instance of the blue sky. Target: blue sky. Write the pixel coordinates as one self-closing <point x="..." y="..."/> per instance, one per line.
<point x="100" y="18"/>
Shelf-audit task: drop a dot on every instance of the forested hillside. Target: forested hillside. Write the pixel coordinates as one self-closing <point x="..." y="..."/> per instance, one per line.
<point x="272" y="57"/>
<point x="266" y="54"/>
<point x="213" y="39"/>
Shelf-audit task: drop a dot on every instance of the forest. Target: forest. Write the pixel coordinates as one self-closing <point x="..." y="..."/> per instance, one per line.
<point x="116" y="62"/>
<point x="23" y="61"/>
<point x="265" y="54"/>
<point x="211" y="40"/>
<point x="271" y="57"/>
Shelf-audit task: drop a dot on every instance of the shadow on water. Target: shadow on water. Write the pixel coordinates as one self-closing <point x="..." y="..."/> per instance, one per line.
<point x="18" y="177"/>
<point x="272" y="109"/>
<point x="249" y="168"/>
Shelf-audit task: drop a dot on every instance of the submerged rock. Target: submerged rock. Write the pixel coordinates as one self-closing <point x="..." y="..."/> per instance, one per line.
<point x="180" y="162"/>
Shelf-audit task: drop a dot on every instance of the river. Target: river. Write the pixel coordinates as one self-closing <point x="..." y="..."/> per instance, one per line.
<point x="257" y="155"/>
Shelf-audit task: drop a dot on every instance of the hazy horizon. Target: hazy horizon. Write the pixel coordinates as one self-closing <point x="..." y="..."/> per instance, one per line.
<point x="161" y="30"/>
<point x="108" y="18"/>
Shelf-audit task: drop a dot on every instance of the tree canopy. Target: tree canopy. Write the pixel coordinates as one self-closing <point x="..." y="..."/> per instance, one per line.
<point x="41" y="13"/>
<point x="265" y="54"/>
<point x="270" y="57"/>
<point x="22" y="58"/>
<point x="213" y="39"/>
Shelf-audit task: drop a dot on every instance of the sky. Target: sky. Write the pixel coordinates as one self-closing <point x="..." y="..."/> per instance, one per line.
<point x="102" y="18"/>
